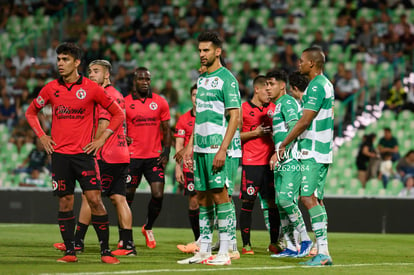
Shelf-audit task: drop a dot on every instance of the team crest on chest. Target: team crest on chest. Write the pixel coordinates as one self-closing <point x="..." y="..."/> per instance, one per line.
<point x="270" y="113"/>
<point x="214" y="83"/>
<point x="81" y="93"/>
<point x="153" y="106"/>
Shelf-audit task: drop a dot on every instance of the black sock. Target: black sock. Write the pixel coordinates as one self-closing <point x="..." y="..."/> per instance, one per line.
<point x="274" y="221"/>
<point x="66" y="222"/>
<point x="193" y="215"/>
<point x="246" y="221"/>
<point x="80" y="233"/>
<point x="130" y="197"/>
<point x="154" y="209"/>
<point x="101" y="225"/>
<point x="127" y="239"/>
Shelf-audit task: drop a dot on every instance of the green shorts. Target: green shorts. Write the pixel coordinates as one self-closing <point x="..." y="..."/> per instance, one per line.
<point x="288" y="178"/>
<point x="232" y="166"/>
<point x="313" y="178"/>
<point x="204" y="178"/>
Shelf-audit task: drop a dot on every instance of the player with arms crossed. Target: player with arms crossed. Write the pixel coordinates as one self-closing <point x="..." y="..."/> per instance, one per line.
<point x="183" y="131"/>
<point x="257" y="148"/>
<point x="74" y="99"/>
<point x="217" y="118"/>
<point x="113" y="160"/>
<point x="148" y="117"/>
<point x="287" y="173"/>
<point x="315" y="132"/>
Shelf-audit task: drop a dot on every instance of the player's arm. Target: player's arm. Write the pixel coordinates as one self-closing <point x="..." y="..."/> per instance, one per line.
<point x="33" y="120"/>
<point x="302" y="124"/>
<point x="186" y="153"/>
<point x="179" y="175"/>
<point x="117" y="118"/>
<point x="259" y="131"/>
<point x="165" y="155"/>
<point x="220" y="156"/>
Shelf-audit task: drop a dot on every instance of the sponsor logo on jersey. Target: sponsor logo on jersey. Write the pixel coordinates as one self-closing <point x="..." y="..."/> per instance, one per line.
<point x="40" y="101"/>
<point x="277" y="109"/>
<point x="233" y="84"/>
<point x="214" y="83"/>
<point x="81" y="93"/>
<point x="153" y="106"/>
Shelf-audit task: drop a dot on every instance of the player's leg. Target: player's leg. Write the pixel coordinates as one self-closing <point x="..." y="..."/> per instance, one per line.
<point x="313" y="181"/>
<point x="206" y="216"/>
<point x="248" y="193"/>
<point x="64" y="186"/>
<point x="232" y="168"/>
<point x="87" y="173"/>
<point x="83" y="223"/>
<point x="135" y="171"/>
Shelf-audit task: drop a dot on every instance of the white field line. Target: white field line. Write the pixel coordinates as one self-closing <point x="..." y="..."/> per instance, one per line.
<point x="146" y="271"/>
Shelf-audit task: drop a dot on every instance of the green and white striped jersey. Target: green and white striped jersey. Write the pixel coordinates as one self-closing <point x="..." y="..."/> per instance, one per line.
<point x="216" y="92"/>
<point x="317" y="141"/>
<point x="285" y="116"/>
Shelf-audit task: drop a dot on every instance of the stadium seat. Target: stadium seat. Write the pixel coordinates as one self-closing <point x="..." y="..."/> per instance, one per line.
<point x="353" y="188"/>
<point x="394" y="187"/>
<point x="374" y="188"/>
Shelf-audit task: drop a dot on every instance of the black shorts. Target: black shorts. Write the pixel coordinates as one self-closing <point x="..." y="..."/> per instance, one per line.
<point x="189" y="188"/>
<point x="362" y="165"/>
<point x="257" y="178"/>
<point x="152" y="171"/>
<point x="66" y="169"/>
<point x="113" y="178"/>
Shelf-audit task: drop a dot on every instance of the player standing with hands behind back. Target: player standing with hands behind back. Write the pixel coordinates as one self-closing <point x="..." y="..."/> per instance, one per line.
<point x="74" y="99"/>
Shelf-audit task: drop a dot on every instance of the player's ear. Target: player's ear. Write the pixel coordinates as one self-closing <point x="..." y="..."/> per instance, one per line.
<point x="218" y="52"/>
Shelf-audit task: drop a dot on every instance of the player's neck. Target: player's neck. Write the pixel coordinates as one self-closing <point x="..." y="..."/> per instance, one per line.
<point x="279" y="96"/>
<point x="193" y="111"/>
<point x="214" y="67"/>
<point x="106" y="83"/>
<point x="314" y="74"/>
<point x="257" y="102"/>
<point x="72" y="78"/>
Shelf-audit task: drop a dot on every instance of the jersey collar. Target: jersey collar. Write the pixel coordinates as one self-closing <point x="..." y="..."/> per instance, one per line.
<point x="254" y="106"/>
<point x="78" y="82"/>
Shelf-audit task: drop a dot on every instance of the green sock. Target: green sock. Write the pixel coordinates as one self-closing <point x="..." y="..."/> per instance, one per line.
<point x="206" y="220"/>
<point x="287" y="229"/>
<point x="227" y="230"/>
<point x="319" y="226"/>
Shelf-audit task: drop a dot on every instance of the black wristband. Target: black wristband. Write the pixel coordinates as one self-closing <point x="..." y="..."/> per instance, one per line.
<point x="166" y="152"/>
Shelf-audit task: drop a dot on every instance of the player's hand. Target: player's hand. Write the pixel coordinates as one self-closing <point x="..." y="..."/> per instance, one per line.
<point x="179" y="175"/>
<point x="262" y="131"/>
<point x="219" y="160"/>
<point x="94" y="146"/>
<point x="185" y="153"/>
<point x="48" y="144"/>
<point x="128" y="140"/>
<point x="162" y="160"/>
<point x="280" y="153"/>
<point x="273" y="162"/>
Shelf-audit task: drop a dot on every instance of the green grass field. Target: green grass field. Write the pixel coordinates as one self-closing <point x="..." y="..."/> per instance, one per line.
<point x="27" y="249"/>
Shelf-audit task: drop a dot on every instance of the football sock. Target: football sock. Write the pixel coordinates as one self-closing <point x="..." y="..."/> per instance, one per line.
<point x="274" y="222"/>
<point x="233" y="240"/>
<point x="66" y="222"/>
<point x="295" y="216"/>
<point x="127" y="239"/>
<point x="101" y="225"/>
<point x="80" y="233"/>
<point x="154" y="209"/>
<point x="206" y="219"/>
<point x="318" y="220"/>
<point x="246" y="221"/>
<point x="287" y="229"/>
<point x="193" y="215"/>
<point x="226" y="229"/>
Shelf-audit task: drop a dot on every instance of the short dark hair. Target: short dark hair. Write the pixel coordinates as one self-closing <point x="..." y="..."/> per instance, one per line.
<point x="213" y="37"/>
<point x="387" y="129"/>
<point x="259" y="80"/>
<point x="296" y="79"/>
<point x="192" y="88"/>
<point x="70" y="49"/>
<point x="279" y="75"/>
<point x="316" y="54"/>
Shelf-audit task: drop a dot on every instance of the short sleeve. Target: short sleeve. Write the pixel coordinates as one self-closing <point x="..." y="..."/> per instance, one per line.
<point x="165" y="110"/>
<point x="102" y="97"/>
<point x="179" y="128"/>
<point x="290" y="110"/>
<point x="103" y="113"/>
<point x="231" y="94"/>
<point x="314" y="97"/>
<point x="43" y="98"/>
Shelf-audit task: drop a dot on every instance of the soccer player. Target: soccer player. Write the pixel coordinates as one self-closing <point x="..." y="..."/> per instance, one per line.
<point x="148" y="117"/>
<point x="287" y="173"/>
<point x="113" y="160"/>
<point x="217" y="118"/>
<point x="74" y="99"/>
<point x="297" y="85"/>
<point x="184" y="176"/>
<point x="257" y="148"/>
<point x="315" y="129"/>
